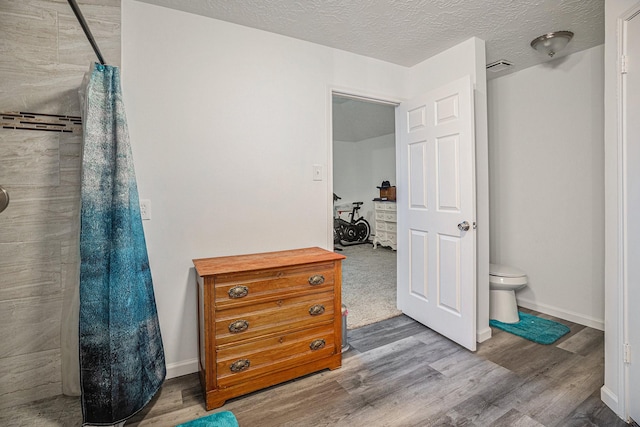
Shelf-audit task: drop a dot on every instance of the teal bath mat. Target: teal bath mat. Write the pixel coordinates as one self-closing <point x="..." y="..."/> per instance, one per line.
<point x="219" y="419"/>
<point x="533" y="328"/>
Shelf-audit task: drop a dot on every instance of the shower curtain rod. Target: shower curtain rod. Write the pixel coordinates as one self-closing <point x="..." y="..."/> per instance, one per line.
<point x="85" y="28"/>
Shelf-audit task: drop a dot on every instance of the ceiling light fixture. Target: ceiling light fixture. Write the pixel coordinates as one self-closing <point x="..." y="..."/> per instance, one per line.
<point x="551" y="43"/>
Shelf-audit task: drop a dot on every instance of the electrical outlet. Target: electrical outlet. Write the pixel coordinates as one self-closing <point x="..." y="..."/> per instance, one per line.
<point x="145" y="209"/>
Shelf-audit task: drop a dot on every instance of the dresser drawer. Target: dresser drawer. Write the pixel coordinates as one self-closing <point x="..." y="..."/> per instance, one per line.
<point x="241" y="362"/>
<point x="391" y="226"/>
<point x="261" y="319"/>
<point x="390" y="216"/>
<point x="381" y="225"/>
<point x="390" y="206"/>
<point x="380" y="215"/>
<point x="272" y="284"/>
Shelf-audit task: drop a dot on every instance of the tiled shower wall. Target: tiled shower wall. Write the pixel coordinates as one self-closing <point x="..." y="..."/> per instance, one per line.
<point x="43" y="57"/>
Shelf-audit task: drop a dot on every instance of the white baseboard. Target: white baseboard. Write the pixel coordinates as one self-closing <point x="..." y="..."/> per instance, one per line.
<point x="563" y="314"/>
<point x="610" y="399"/>
<point x="179" y="369"/>
<point x="483" y="335"/>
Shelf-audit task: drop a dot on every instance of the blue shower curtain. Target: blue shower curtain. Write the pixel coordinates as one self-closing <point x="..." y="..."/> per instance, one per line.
<point x="122" y="363"/>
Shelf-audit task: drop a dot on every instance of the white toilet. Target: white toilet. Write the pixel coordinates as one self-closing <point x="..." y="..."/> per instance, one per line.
<point x="504" y="281"/>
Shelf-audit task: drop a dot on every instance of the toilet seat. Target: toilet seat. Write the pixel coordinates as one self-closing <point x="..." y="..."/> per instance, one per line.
<point x="505" y="271"/>
<point x="503" y="277"/>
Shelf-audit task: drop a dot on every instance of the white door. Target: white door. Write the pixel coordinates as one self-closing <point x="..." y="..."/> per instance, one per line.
<point x="631" y="126"/>
<point x="436" y="192"/>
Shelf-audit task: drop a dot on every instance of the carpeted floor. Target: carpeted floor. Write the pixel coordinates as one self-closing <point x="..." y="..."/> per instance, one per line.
<point x="368" y="284"/>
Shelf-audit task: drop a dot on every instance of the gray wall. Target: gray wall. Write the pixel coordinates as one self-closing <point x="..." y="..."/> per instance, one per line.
<point x="359" y="167"/>
<point x="43" y="56"/>
<point x="546" y="163"/>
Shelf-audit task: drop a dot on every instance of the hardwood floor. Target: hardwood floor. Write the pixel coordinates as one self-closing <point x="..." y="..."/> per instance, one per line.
<point x="400" y="373"/>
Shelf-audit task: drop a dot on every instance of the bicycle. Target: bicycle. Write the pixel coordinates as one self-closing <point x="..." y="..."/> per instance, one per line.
<point x="352" y="232"/>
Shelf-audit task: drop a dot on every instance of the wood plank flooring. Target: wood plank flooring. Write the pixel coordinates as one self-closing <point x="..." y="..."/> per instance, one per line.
<point x="400" y="373"/>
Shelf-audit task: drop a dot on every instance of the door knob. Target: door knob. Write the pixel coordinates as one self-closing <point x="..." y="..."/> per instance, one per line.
<point x="463" y="226"/>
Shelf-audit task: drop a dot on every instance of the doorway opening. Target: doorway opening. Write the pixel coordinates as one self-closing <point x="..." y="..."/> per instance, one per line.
<point x="364" y="157"/>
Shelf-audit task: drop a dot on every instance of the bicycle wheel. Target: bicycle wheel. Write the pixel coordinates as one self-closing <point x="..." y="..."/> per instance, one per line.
<point x="350" y="233"/>
<point x="338" y="231"/>
<point x="364" y="230"/>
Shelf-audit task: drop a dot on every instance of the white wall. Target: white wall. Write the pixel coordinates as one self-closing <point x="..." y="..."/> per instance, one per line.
<point x="547" y="183"/>
<point x="226" y="123"/>
<point x="360" y="167"/>
<point x="345" y="172"/>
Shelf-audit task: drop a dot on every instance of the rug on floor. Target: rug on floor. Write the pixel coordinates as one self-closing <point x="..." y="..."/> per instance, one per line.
<point x="369" y="284"/>
<point x="533" y="328"/>
<point x="219" y="419"/>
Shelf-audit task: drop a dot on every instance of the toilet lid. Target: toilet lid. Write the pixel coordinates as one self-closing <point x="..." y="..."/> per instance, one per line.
<point x="505" y="271"/>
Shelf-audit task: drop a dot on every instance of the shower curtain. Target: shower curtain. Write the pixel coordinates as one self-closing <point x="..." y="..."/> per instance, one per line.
<point x="122" y="363"/>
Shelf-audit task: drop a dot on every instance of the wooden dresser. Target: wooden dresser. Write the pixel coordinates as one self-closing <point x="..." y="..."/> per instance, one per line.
<point x="386" y="225"/>
<point x="267" y="318"/>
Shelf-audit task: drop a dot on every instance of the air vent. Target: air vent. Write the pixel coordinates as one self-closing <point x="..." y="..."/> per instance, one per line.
<point x="498" y="66"/>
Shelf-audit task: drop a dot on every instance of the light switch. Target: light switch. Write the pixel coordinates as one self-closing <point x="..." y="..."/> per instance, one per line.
<point x="317" y="172"/>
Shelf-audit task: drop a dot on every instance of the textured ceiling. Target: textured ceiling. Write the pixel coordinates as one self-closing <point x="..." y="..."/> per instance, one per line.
<point x="408" y="32"/>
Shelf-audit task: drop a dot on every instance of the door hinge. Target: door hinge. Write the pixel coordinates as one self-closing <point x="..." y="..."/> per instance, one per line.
<point x="627" y="353"/>
<point x="624" y="64"/>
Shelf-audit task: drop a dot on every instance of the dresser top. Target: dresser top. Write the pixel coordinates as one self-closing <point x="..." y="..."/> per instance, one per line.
<point x="238" y="263"/>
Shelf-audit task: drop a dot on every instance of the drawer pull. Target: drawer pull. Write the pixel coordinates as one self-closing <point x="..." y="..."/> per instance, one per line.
<point x="317" y="279"/>
<point x="316" y="345"/>
<point x="238" y="326"/>
<point x="316" y="310"/>
<point x="238" y="292"/>
<point x="240" y="365"/>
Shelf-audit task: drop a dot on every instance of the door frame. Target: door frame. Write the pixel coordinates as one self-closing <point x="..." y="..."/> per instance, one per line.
<point x="479" y="82"/>
<point x="360" y="96"/>
<point x="623" y="304"/>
